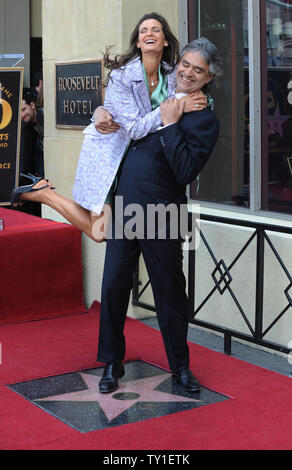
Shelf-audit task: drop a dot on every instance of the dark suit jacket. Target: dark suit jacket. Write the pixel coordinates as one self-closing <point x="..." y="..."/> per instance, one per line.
<point x="158" y="167"/>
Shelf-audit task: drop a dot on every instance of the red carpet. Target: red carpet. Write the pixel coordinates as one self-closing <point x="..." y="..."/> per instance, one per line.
<point x="257" y="417"/>
<point x="41" y="268"/>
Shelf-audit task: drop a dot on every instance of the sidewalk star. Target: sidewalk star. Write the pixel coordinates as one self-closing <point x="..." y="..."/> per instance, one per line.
<point x="128" y="394"/>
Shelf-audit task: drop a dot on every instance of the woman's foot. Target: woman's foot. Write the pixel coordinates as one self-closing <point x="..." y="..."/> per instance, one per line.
<point x="34" y="192"/>
<point x="38" y="191"/>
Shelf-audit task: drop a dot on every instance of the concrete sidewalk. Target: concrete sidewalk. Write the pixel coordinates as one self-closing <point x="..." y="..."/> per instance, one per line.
<point x="249" y="353"/>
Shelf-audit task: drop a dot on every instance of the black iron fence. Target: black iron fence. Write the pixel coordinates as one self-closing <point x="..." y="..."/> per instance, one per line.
<point x="222" y="282"/>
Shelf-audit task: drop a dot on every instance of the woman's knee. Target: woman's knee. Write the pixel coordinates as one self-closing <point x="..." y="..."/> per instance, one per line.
<point x="98" y="237"/>
<point x="99" y="224"/>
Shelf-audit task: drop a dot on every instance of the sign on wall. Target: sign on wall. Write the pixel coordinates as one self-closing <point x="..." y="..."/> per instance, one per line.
<point x="79" y="91"/>
<point x="11" y="80"/>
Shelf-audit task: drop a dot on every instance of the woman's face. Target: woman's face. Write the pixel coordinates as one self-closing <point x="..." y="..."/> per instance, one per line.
<point x="151" y="37"/>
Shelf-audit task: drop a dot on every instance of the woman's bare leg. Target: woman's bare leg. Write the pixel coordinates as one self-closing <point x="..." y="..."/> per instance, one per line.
<point x="101" y="222"/>
<point x="93" y="225"/>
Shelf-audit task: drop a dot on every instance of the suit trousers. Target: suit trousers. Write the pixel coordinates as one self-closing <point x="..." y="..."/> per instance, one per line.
<point x="163" y="260"/>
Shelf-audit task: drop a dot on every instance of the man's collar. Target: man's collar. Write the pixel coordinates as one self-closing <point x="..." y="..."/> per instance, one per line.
<point x="179" y="94"/>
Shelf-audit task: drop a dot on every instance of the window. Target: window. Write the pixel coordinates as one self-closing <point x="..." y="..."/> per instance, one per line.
<point x="227" y="177"/>
<point x="277" y="105"/>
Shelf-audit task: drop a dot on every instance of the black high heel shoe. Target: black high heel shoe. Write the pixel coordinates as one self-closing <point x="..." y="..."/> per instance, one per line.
<point x="17" y="192"/>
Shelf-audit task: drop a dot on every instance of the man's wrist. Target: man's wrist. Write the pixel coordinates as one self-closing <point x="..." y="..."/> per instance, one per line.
<point x="166" y="125"/>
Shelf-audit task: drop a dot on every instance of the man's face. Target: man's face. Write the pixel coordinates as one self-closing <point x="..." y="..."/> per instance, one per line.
<point x="192" y="73"/>
<point x="27" y="111"/>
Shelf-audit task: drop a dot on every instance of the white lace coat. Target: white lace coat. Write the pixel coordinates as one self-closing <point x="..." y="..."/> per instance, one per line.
<point x="127" y="99"/>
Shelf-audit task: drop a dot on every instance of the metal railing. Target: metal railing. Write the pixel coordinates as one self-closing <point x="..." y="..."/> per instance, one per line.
<point x="222" y="278"/>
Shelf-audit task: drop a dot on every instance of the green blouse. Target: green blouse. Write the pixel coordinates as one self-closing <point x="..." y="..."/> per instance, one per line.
<point x="161" y="91"/>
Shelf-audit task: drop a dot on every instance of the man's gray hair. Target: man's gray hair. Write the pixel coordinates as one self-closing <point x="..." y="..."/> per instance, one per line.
<point x="209" y="52"/>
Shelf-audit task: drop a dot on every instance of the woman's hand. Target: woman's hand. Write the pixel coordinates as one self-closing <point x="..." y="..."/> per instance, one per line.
<point x="171" y="111"/>
<point x="103" y="122"/>
<point x="196" y="101"/>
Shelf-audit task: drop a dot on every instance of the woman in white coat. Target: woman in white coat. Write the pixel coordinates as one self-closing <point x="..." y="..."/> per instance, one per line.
<point x="146" y="70"/>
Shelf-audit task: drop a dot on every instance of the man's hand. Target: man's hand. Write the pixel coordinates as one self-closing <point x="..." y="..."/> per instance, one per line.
<point x="196" y="101"/>
<point x="103" y="122"/>
<point x="171" y="111"/>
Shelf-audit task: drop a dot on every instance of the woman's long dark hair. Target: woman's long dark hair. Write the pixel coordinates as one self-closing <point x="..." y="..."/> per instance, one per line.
<point x="170" y="53"/>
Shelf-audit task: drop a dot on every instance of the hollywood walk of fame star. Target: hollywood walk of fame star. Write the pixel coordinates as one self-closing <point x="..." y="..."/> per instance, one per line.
<point x="128" y="394"/>
<point x="277" y="120"/>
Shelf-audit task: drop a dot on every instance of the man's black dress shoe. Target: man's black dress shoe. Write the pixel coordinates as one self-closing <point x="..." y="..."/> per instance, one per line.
<point x="112" y="372"/>
<point x="187" y="381"/>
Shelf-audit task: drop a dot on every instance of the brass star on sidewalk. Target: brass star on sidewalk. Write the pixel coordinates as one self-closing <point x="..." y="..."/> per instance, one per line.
<point x="128" y="394"/>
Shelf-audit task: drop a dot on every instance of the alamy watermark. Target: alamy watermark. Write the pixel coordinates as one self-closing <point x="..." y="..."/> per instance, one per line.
<point x="153" y="221"/>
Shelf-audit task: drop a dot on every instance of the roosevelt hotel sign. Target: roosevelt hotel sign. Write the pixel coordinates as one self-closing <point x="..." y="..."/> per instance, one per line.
<point x="79" y="91"/>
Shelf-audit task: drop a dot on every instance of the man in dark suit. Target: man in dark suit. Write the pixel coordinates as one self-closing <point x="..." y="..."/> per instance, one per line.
<point x="155" y="173"/>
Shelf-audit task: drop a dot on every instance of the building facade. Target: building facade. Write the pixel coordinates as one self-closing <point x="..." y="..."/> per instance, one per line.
<point x="239" y="276"/>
